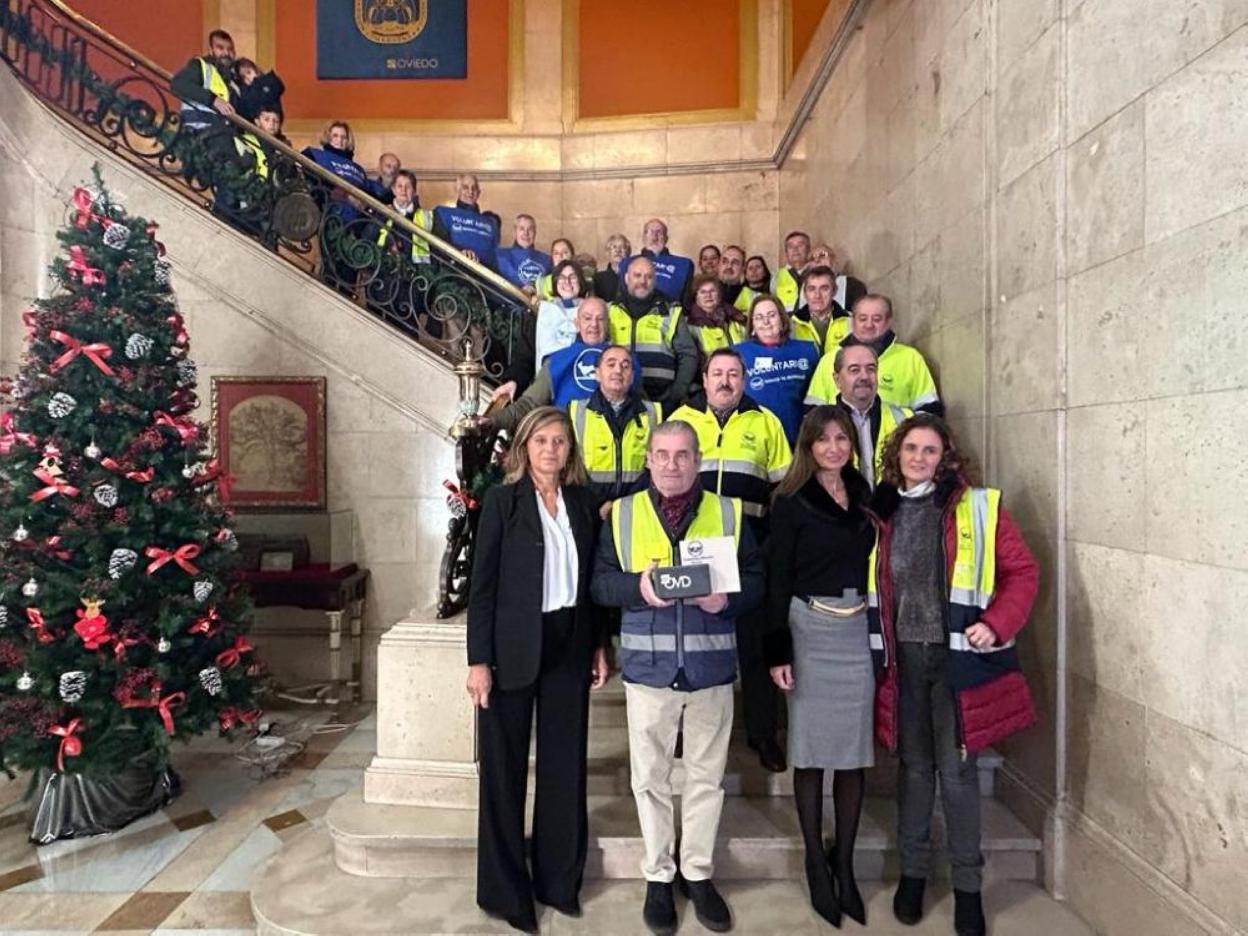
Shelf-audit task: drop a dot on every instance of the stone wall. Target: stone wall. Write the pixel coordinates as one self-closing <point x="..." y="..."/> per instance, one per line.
<point x="249" y="313"/>
<point x="1057" y="196"/>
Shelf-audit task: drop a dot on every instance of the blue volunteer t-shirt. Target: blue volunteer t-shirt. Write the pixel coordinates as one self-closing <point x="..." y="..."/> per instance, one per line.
<point x="522" y="266"/>
<point x="671" y="272"/>
<point x="470" y="230"/>
<point x="776" y="377"/>
<point x="574" y="372"/>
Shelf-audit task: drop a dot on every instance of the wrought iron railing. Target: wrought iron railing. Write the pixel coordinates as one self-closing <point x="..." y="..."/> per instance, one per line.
<point x="294" y="207"/>
<point x="261" y="186"/>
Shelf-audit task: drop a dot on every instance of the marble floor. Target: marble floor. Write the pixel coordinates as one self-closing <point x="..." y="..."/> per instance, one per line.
<point x="186" y="869"/>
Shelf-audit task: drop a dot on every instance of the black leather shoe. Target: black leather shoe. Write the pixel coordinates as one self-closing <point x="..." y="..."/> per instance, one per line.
<point x="709" y="907"/>
<point x="659" y="912"/>
<point x="822" y="890"/>
<point x="968" y="914"/>
<point x="908" y="901"/>
<point x="770" y="754"/>
<point x="848" y="895"/>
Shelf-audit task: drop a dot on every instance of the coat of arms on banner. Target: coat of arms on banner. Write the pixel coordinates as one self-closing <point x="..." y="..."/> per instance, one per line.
<point x="391" y="21"/>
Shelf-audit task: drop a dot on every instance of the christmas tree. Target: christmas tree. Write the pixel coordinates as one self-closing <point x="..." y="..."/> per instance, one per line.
<point x="120" y="626"/>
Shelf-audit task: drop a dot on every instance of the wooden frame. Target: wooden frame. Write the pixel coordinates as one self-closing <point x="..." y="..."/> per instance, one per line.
<point x="269" y="433"/>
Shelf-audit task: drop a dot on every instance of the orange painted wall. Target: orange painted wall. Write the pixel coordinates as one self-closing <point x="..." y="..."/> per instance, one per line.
<point x="806" y="15"/>
<point x="483" y="94"/>
<point x="651" y="56"/>
<point x="170" y="36"/>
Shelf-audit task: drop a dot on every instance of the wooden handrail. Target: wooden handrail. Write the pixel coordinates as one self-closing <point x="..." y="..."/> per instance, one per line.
<point x="444" y="248"/>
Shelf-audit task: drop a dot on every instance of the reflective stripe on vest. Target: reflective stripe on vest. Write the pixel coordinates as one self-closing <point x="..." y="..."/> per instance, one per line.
<point x="713" y="337"/>
<point x="212" y="81"/>
<point x="650" y="338"/>
<point x="641" y="539"/>
<point x="248" y="143"/>
<point x="974" y="566"/>
<point x="423" y="219"/>
<point x="666" y="643"/>
<point x="598" y="443"/>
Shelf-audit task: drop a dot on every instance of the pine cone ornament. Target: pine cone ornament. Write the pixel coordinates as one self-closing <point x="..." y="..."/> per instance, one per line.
<point x="115" y="236"/>
<point x="61" y="405"/>
<point x="4" y="616"/>
<point x="106" y="495"/>
<point x="72" y="686"/>
<point x="138" y="346"/>
<point x="210" y="679"/>
<point x="202" y="589"/>
<point x="163" y="273"/>
<point x="121" y="562"/>
<point x="187" y="372"/>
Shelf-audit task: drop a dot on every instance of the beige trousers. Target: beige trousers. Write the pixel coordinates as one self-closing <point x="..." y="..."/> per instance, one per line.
<point x="654" y="719"/>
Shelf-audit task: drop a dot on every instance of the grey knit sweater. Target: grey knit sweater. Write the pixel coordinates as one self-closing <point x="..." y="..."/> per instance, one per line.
<point x="918" y="570"/>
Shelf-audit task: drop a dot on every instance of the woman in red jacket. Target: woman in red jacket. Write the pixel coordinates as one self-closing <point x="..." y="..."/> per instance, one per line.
<point x="951" y="584"/>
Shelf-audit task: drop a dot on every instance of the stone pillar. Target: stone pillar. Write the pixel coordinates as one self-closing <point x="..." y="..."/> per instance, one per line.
<point x="426" y="726"/>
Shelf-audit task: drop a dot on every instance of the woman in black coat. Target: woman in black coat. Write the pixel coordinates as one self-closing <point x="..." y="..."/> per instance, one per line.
<point x="533" y="638"/>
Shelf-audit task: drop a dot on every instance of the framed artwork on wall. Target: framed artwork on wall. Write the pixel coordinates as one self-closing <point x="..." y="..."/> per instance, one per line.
<point x="269" y="433"/>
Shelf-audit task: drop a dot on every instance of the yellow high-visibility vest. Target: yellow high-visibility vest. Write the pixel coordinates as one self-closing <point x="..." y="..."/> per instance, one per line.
<point x="608" y="460"/>
<point x="640" y="538"/>
<point x="423" y="219"/>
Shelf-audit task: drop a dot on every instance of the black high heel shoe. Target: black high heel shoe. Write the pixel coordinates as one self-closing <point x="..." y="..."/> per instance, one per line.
<point x="822" y="887"/>
<point x="848" y="896"/>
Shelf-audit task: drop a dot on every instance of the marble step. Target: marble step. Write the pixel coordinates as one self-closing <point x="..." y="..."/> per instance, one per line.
<point x="744" y="775"/>
<point x="759" y="839"/>
<point x="302" y="892"/>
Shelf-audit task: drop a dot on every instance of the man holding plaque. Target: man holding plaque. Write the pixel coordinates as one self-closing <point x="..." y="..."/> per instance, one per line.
<point x="678" y="657"/>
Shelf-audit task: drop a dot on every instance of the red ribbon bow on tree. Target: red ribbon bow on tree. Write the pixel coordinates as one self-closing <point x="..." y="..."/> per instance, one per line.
<point x="10" y="437"/>
<point x="164" y="707"/>
<point x="142" y="477"/>
<point x="78" y="264"/>
<point x="182" y="556"/>
<point x="38" y="625"/>
<point x="231" y="656"/>
<point x="214" y="472"/>
<point x="185" y="429"/>
<point x="54" y="486"/>
<point x="230" y="716"/>
<point x="151" y="232"/>
<point x="71" y="745"/>
<point x="96" y="353"/>
<point x="52" y="546"/>
<point x="208" y="624"/>
<point x="84" y="202"/>
<point x="120" y="645"/>
<point x="457" y="493"/>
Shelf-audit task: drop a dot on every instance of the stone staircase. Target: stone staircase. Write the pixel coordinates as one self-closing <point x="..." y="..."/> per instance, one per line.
<point x="365" y="847"/>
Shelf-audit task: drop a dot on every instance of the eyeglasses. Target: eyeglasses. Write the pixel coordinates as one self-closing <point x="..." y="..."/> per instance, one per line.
<point x="683" y="459"/>
<point x="569" y="278"/>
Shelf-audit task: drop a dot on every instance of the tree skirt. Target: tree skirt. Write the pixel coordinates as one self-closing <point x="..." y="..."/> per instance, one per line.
<point x="72" y="805"/>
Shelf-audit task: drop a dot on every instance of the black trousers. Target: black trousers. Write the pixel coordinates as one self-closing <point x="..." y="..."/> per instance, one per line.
<point x="759" y="696"/>
<point x="560" y="820"/>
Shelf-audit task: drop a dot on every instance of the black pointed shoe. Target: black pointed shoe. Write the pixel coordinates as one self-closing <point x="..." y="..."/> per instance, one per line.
<point x="848" y="895"/>
<point x="709" y="907"/>
<point x="770" y="754"/>
<point x="659" y="912"/>
<point x="908" y="901"/>
<point x="968" y="914"/>
<point x="822" y="889"/>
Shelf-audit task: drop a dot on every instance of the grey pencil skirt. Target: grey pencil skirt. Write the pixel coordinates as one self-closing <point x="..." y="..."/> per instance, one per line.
<point x="832" y="702"/>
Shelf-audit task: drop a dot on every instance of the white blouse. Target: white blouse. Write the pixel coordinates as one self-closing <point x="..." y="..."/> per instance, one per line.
<point x="559" y="577"/>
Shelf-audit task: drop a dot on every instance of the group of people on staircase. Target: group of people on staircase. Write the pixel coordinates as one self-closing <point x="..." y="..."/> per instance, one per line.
<point x="879" y="589"/>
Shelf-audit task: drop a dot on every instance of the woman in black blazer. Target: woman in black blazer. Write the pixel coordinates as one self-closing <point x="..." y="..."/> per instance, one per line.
<point x="533" y="637"/>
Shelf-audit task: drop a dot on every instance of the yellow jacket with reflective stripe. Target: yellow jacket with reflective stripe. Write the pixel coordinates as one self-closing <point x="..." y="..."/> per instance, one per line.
<point x="713" y="337"/>
<point x="247" y="142"/>
<point x="213" y="81"/>
<point x="786" y="287"/>
<point x="745" y="458"/>
<point x="649" y="337"/>
<point x="423" y="219"/>
<point x="838" y="331"/>
<point x="904" y="379"/>
<point x="613" y="463"/>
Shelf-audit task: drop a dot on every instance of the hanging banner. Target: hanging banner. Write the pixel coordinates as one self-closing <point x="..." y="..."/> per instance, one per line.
<point x="391" y="39"/>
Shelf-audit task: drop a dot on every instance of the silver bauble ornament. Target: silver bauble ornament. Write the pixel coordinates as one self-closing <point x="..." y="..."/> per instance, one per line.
<point x="137" y="346"/>
<point x="31" y="588"/>
<point x="25" y="683"/>
<point x="61" y="405"/>
<point x="20" y="534"/>
<point x="163" y="645"/>
<point x="4" y="616"/>
<point x="106" y="495"/>
<point x="163" y="273"/>
<point x="187" y="371"/>
<point x="92" y="451"/>
<point x="202" y="589"/>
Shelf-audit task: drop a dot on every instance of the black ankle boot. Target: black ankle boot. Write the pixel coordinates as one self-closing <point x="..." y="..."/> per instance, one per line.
<point x="968" y="914"/>
<point x="822" y="890"/>
<point x="908" y="901"/>
<point x="659" y="912"/>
